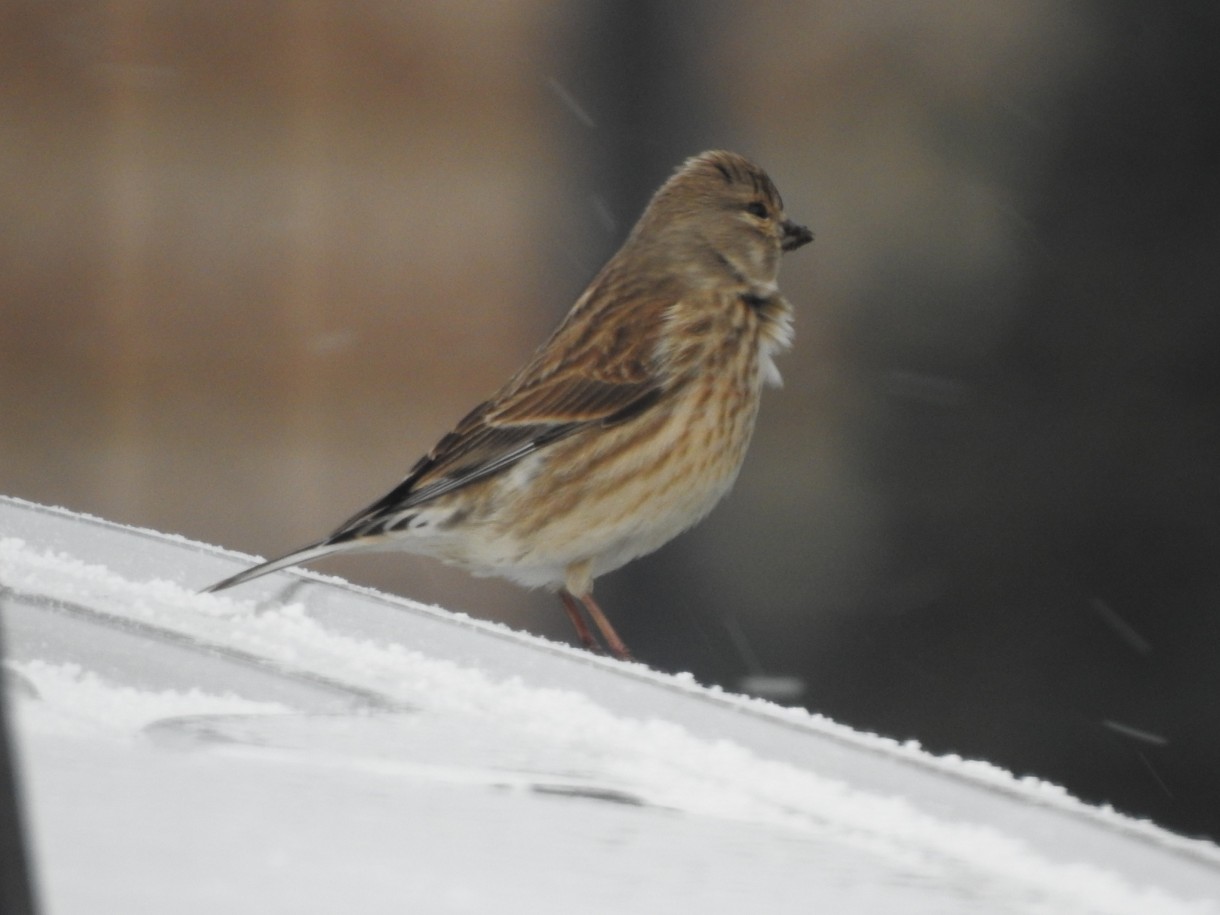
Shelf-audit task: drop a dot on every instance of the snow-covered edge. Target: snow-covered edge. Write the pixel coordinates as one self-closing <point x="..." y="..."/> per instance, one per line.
<point x="989" y="775"/>
<point x="14" y="552"/>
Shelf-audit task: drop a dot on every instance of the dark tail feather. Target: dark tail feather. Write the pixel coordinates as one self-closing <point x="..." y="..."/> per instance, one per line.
<point x="299" y="557"/>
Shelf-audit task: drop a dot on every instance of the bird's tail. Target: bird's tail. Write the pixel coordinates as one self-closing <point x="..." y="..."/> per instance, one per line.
<point x="295" y="558"/>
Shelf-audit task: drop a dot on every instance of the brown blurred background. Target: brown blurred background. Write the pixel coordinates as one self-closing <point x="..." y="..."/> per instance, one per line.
<point x="256" y="257"/>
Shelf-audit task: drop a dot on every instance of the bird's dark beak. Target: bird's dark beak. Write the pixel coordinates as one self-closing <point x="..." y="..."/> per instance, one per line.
<point x="794" y="235"/>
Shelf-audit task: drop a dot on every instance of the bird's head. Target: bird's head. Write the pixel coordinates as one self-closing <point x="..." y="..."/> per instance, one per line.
<point x="721" y="214"/>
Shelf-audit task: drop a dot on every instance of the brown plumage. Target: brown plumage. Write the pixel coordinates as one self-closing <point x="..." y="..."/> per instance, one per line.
<point x="628" y="425"/>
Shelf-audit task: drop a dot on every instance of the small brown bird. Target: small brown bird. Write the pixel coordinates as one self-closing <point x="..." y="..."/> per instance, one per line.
<point x="628" y="425"/>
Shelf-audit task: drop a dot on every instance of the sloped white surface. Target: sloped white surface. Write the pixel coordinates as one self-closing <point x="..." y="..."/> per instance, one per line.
<point x="300" y="745"/>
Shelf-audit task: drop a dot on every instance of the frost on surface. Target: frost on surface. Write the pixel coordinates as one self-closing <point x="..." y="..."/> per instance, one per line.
<point x="342" y="748"/>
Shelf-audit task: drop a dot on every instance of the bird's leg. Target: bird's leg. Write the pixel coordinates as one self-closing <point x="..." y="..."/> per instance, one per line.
<point x="578" y="621"/>
<point x="617" y="646"/>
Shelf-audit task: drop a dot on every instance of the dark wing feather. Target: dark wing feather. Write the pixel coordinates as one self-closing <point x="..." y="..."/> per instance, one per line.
<point x="498" y="434"/>
<point x="608" y="374"/>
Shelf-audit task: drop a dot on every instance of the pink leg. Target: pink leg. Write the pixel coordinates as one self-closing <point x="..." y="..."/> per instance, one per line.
<point x="617" y="646"/>
<point x="578" y="622"/>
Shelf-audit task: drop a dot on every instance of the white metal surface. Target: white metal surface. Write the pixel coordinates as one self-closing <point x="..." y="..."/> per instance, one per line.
<point x="302" y="744"/>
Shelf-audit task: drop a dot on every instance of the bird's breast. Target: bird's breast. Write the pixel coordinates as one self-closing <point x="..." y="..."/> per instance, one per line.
<point x="609" y="494"/>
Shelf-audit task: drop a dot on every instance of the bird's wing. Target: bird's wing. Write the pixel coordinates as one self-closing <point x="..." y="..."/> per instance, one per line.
<point x="499" y="433"/>
<point x="492" y="437"/>
<point x="598" y="369"/>
<point x="504" y="430"/>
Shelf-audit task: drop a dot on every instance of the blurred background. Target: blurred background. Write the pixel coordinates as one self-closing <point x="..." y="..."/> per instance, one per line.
<point x="256" y="258"/>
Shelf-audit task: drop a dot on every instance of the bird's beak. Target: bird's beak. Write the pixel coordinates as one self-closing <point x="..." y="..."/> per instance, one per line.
<point x="794" y="235"/>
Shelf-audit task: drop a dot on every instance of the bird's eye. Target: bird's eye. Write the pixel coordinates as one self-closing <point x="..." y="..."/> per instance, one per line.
<point x="756" y="208"/>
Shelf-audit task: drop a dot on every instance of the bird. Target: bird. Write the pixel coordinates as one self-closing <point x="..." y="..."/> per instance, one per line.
<point x="627" y="425"/>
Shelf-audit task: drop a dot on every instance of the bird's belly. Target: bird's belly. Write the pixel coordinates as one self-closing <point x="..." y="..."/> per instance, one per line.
<point x="615" y="495"/>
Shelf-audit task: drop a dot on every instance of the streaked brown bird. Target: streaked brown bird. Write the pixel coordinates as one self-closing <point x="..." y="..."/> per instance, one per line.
<point x="628" y="425"/>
